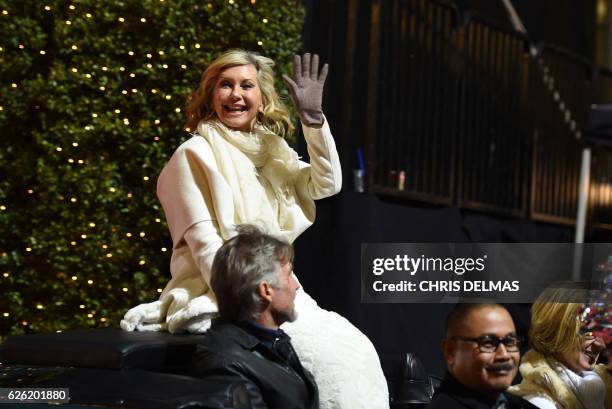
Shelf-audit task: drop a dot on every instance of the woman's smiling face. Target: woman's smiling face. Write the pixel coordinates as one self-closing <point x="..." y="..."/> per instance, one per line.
<point x="585" y="357"/>
<point x="237" y="97"/>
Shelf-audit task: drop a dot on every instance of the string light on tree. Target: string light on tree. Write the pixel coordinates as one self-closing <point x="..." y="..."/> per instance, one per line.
<point x="104" y="191"/>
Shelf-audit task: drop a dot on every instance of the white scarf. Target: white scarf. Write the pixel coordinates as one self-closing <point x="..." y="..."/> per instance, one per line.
<point x="249" y="162"/>
<point x="588" y="387"/>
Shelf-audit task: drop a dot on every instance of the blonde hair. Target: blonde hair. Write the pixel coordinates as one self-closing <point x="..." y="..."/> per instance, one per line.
<point x="274" y="114"/>
<point x="555" y="321"/>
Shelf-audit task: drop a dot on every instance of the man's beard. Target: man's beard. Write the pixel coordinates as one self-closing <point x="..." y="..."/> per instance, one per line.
<point x="280" y="317"/>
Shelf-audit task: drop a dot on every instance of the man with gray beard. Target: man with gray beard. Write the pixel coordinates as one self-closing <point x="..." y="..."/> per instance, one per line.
<point x="252" y="277"/>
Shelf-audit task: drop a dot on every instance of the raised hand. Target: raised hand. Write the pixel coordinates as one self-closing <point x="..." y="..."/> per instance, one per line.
<point x="306" y="88"/>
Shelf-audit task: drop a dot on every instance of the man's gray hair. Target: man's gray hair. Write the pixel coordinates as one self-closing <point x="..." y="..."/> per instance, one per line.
<point x="240" y="265"/>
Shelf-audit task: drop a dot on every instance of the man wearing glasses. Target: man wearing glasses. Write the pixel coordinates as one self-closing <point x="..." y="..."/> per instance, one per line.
<point x="481" y="349"/>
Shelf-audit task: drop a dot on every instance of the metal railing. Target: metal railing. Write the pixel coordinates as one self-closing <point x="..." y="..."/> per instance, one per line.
<point x="416" y="89"/>
<point x="463" y="112"/>
<point x="560" y="93"/>
<point x="492" y="130"/>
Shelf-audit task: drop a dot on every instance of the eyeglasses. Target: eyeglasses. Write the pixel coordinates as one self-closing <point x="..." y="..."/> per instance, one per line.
<point x="587" y="334"/>
<point x="490" y="343"/>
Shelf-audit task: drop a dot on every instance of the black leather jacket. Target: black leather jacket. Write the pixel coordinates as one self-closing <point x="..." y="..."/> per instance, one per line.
<point x="453" y="395"/>
<point x="230" y="351"/>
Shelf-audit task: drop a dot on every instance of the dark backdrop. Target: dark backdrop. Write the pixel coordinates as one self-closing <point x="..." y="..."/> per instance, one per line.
<point x="328" y="264"/>
<point x="328" y="254"/>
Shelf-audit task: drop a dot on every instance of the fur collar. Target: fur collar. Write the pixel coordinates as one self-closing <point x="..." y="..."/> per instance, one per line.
<point x="540" y="379"/>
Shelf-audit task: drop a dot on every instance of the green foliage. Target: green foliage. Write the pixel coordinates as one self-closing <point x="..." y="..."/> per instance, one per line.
<point x="91" y="97"/>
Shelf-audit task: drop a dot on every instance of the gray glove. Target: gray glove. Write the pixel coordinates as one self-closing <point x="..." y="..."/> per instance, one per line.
<point x="307" y="89"/>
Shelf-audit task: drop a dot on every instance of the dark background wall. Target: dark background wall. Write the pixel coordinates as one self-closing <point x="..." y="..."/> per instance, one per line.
<point x="328" y="254"/>
<point x="328" y="264"/>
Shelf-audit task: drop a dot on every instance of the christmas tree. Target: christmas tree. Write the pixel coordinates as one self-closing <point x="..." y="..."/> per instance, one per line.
<point x="92" y="99"/>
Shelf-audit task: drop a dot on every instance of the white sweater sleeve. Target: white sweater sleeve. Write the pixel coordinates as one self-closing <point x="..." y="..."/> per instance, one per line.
<point x="325" y="171"/>
<point x="203" y="240"/>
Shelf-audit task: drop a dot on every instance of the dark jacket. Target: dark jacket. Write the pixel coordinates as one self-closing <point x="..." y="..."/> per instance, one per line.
<point x="230" y="350"/>
<point x="453" y="395"/>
